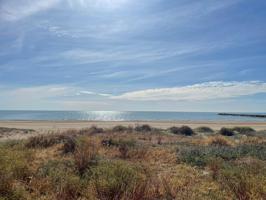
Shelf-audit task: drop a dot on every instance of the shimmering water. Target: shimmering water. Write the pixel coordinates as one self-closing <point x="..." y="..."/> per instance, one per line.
<point x="119" y="116"/>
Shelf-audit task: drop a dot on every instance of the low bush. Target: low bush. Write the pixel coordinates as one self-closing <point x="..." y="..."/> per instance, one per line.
<point x="200" y="155"/>
<point x="184" y="130"/>
<point x="62" y="180"/>
<point x="120" y="129"/>
<point x="14" y="168"/>
<point x="45" y="141"/>
<point x="226" y="132"/>
<point x="174" y="130"/>
<point x="69" y="187"/>
<point x="85" y="154"/>
<point x="143" y="128"/>
<point x="53" y="167"/>
<point x="204" y="129"/>
<point x="244" y="130"/>
<point x="91" y="131"/>
<point x="244" y="181"/>
<point x="118" y="143"/>
<point x="70" y="145"/>
<point x="15" y="162"/>
<point x="119" y="180"/>
<point x="219" y="141"/>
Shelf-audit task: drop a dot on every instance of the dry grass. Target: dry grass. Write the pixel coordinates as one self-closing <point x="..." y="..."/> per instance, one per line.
<point x="122" y="163"/>
<point x="218" y="141"/>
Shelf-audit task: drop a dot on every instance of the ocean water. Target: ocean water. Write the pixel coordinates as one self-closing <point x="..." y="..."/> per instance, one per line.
<point x="121" y="116"/>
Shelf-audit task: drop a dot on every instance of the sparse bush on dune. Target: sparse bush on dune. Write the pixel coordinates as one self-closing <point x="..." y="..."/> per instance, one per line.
<point x="85" y="154"/>
<point x="204" y="129"/>
<point x="226" y="132"/>
<point x="14" y="168"/>
<point x="61" y="179"/>
<point x="244" y="181"/>
<point x="119" y="142"/>
<point x="52" y="168"/>
<point x="45" y="141"/>
<point x="70" y="145"/>
<point x="121" y="129"/>
<point x="143" y="128"/>
<point x="119" y="180"/>
<point x="68" y="188"/>
<point x="90" y="131"/>
<point x="16" y="163"/>
<point x="174" y="130"/>
<point x="127" y="148"/>
<point x="219" y="141"/>
<point x="244" y="130"/>
<point x="183" y="130"/>
<point x="200" y="155"/>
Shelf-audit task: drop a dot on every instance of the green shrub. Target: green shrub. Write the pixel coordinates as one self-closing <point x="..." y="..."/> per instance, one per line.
<point x="69" y="187"/>
<point x="15" y="163"/>
<point x="200" y="155"/>
<point x="45" y="141"/>
<point x="54" y="167"/>
<point x="120" y="142"/>
<point x="174" y="130"/>
<point x="14" y="167"/>
<point x="120" y="129"/>
<point x="63" y="181"/>
<point x="204" y="129"/>
<point x="244" y="181"/>
<point x="91" y="131"/>
<point x="219" y="141"/>
<point x="226" y="132"/>
<point x="70" y="145"/>
<point x="244" y="130"/>
<point x="85" y="155"/>
<point x="143" y="128"/>
<point x="118" y="180"/>
<point x="184" y="130"/>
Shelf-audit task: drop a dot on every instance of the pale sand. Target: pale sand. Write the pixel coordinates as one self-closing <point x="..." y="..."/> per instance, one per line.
<point x="62" y="125"/>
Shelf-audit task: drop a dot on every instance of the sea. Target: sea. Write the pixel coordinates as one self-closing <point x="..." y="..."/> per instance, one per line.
<point x="122" y="116"/>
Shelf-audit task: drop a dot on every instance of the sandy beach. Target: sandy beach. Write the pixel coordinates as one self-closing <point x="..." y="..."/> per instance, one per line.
<point x="41" y="127"/>
<point x="62" y="125"/>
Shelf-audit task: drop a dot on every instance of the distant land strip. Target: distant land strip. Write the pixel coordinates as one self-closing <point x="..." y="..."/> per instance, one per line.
<point x="243" y="115"/>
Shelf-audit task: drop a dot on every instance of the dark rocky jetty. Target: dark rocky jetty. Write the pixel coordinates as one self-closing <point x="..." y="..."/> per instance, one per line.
<point x="243" y="115"/>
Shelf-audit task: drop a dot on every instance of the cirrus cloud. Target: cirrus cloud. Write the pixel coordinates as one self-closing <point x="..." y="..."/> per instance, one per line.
<point x="202" y="91"/>
<point x="14" y="10"/>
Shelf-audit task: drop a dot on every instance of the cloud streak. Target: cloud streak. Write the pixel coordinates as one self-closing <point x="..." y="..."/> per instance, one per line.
<point x="197" y="92"/>
<point x="13" y="10"/>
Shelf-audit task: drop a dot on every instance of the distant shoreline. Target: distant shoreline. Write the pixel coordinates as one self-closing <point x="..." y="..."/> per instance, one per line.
<point x="243" y="115"/>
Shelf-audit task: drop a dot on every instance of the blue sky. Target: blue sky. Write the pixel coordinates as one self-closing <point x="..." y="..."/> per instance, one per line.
<point x="174" y="55"/>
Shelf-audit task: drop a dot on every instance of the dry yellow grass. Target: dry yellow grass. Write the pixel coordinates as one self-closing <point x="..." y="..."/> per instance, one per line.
<point x="151" y="160"/>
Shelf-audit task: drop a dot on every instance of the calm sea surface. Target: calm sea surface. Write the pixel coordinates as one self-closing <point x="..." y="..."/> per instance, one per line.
<point x="120" y="116"/>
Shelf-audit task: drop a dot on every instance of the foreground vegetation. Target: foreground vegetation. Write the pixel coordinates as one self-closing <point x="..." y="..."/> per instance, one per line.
<point x="136" y="163"/>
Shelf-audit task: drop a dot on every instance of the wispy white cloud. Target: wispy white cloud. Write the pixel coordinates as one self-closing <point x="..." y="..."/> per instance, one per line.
<point x="141" y="53"/>
<point x="13" y="10"/>
<point x="197" y="92"/>
<point x="84" y="92"/>
<point x="50" y="97"/>
<point x="108" y="4"/>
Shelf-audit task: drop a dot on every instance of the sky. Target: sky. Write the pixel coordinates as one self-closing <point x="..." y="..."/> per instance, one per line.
<point x="152" y="55"/>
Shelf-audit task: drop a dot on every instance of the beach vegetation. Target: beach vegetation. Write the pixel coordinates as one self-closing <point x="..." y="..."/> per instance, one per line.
<point x="143" y="128"/>
<point x="204" y="129"/>
<point x="183" y="130"/>
<point x="226" y="132"/>
<point x="79" y="164"/>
